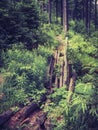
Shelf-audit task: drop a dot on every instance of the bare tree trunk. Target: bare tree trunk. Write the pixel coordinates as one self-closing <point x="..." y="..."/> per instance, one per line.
<point x="87" y="16"/>
<point x="57" y="11"/>
<point x="49" y="10"/>
<point x="61" y="12"/>
<point x="65" y="16"/>
<point x="84" y="11"/>
<point x="95" y="14"/>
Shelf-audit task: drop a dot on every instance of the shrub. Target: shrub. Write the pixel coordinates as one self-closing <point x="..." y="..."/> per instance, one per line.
<point x="73" y="115"/>
<point x="25" y="76"/>
<point x="48" y="35"/>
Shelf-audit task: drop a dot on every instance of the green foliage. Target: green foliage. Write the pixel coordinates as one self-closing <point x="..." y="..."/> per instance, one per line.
<point x="81" y="112"/>
<point x="45" y="51"/>
<point x="82" y="52"/>
<point x="48" y="35"/>
<point x="77" y="26"/>
<point x="25" y="75"/>
<point x="72" y="115"/>
<point x="19" y="22"/>
<point x="57" y="70"/>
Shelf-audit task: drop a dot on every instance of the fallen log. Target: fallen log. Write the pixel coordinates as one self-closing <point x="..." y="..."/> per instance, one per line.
<point x="23" y="113"/>
<point x="5" y="116"/>
<point x="35" y="121"/>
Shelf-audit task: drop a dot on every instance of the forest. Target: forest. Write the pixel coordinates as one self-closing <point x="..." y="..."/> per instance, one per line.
<point x="48" y="64"/>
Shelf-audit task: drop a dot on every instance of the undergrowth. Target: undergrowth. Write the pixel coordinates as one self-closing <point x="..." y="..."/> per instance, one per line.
<point x="25" y="72"/>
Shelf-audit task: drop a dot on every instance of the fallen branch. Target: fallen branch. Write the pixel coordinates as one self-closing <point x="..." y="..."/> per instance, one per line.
<point x="16" y="119"/>
<point x="4" y="117"/>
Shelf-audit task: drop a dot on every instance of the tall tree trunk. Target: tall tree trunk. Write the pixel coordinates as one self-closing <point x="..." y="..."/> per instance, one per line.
<point x="95" y="14"/>
<point x="61" y="12"/>
<point x="83" y="11"/>
<point x="49" y="10"/>
<point x="75" y="10"/>
<point x="57" y="11"/>
<point x="65" y="16"/>
<point x="87" y="15"/>
<point x="84" y="2"/>
<point x="90" y="4"/>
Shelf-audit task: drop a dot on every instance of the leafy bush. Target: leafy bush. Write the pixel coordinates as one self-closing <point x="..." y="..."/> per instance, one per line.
<point x="19" y="23"/>
<point x="73" y="115"/>
<point x="44" y="52"/>
<point x="83" y="55"/>
<point x="25" y="75"/>
<point x="48" y="35"/>
<point x="77" y="26"/>
<point x="81" y="51"/>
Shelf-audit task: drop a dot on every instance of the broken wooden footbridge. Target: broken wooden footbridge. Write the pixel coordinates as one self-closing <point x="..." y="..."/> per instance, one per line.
<point x="60" y="69"/>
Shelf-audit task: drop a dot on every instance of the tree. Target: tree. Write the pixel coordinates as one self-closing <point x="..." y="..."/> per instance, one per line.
<point x="61" y="12"/>
<point x="96" y="14"/>
<point x="49" y="10"/>
<point x="19" y="22"/>
<point x="87" y="15"/>
<point x="65" y="16"/>
<point x="57" y="11"/>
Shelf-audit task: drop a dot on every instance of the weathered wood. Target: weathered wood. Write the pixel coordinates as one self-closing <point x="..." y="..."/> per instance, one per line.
<point x="56" y="77"/>
<point x="56" y="81"/>
<point x="4" y="117"/>
<point x="72" y="82"/>
<point x="65" y="67"/>
<point x="63" y="73"/>
<point x="23" y="113"/>
<point x="48" y="124"/>
<point x="72" y="85"/>
<point x="51" y="74"/>
<point x="60" y="84"/>
<point x="35" y="121"/>
<point x="62" y="61"/>
<point x="69" y="74"/>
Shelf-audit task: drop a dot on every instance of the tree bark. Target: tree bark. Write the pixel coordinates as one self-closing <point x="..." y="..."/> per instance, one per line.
<point x="84" y="11"/>
<point x="61" y="12"/>
<point x="57" y="11"/>
<point x="69" y="70"/>
<point x="72" y="82"/>
<point x="65" y="16"/>
<point x="72" y="85"/>
<point x="87" y="15"/>
<point x="4" y="117"/>
<point x="49" y="10"/>
<point x="95" y="14"/>
<point x="15" y="119"/>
